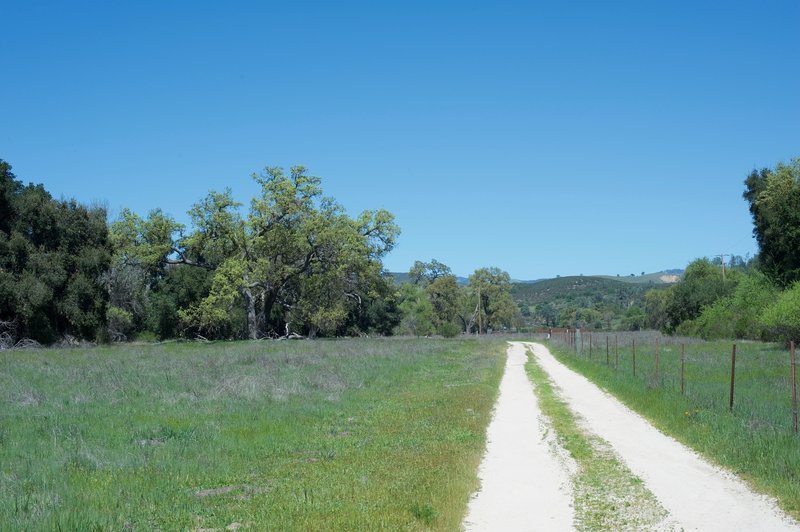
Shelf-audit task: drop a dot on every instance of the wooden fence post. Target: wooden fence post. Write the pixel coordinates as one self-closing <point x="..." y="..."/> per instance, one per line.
<point x="683" y="362"/>
<point x="633" y="343"/>
<point x="733" y="375"/>
<point x="606" y="350"/>
<point x="794" y="386"/>
<point x="658" y="368"/>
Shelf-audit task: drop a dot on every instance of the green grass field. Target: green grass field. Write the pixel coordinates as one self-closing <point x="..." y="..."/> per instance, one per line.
<point x="349" y="434"/>
<point x="754" y="440"/>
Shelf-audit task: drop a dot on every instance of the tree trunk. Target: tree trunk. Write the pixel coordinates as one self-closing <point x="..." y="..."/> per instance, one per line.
<point x="269" y="301"/>
<point x="252" y="321"/>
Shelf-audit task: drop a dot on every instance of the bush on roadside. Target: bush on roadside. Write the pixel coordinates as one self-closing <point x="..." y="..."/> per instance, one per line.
<point x="783" y="317"/>
<point x="737" y="315"/>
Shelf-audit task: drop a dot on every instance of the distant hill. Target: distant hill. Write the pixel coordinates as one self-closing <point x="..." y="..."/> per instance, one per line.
<point x="596" y="301"/>
<point x="665" y="277"/>
<point x="585" y="291"/>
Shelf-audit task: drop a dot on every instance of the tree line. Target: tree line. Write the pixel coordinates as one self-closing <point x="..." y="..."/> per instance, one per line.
<point x="292" y="262"/>
<point x="757" y="299"/>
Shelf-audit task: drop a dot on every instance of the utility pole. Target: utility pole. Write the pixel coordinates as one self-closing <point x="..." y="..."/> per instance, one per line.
<point x="479" y="312"/>
<point x="722" y="259"/>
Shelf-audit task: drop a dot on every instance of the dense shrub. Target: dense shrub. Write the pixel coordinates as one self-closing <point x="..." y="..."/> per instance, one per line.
<point x="737" y="315"/>
<point x="783" y="317"/>
<point x="449" y="330"/>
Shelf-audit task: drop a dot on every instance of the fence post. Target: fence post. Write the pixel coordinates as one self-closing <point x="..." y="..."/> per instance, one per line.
<point x="683" y="362"/>
<point x="591" y="336"/>
<point x="633" y="343"/>
<point x="794" y="386"/>
<point x="733" y="375"/>
<point x="606" y="350"/>
<point x="658" y="365"/>
<point x="616" y="351"/>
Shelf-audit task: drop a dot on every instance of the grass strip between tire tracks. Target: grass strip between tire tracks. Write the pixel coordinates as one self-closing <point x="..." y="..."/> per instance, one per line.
<point x="607" y="495"/>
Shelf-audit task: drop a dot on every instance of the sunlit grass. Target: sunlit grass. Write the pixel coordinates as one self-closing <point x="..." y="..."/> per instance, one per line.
<point x="351" y="434"/>
<point x="754" y="440"/>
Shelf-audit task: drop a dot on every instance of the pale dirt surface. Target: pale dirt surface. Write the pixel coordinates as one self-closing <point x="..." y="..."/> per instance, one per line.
<point x="697" y="495"/>
<point x="524" y="474"/>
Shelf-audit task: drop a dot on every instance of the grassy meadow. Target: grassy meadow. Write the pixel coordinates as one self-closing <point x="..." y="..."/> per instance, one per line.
<point x="364" y="434"/>
<point x="754" y="440"/>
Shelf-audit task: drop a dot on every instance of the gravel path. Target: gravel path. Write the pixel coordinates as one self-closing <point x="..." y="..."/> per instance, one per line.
<point x="698" y="495"/>
<point x="524" y="474"/>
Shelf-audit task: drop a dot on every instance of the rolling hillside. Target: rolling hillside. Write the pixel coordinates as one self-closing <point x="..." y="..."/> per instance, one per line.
<point x="593" y="301"/>
<point x="665" y="277"/>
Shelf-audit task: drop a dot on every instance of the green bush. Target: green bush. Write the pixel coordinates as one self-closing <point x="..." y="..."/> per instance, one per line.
<point x="737" y="315"/>
<point x="120" y="323"/>
<point x="449" y="330"/>
<point x="783" y="317"/>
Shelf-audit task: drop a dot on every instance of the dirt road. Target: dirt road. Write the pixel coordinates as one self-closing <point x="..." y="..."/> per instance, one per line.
<point x="524" y="475"/>
<point x="697" y="495"/>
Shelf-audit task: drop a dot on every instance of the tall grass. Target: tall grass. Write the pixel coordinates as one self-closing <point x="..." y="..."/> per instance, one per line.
<point x="351" y="434"/>
<point x="754" y="439"/>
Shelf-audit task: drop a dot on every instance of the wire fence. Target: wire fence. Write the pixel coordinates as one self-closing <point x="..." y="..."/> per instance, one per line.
<point x="756" y="381"/>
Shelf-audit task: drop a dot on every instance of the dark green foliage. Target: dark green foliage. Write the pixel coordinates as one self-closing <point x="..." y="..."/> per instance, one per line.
<point x="448" y="329"/>
<point x="702" y="285"/>
<point x="737" y="315"/>
<point x="181" y="286"/>
<point x="711" y="306"/>
<point x="53" y="254"/>
<point x="774" y="198"/>
<point x="377" y="311"/>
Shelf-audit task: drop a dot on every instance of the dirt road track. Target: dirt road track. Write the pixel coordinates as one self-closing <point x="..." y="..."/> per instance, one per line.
<point x="524" y="477"/>
<point x="698" y="495"/>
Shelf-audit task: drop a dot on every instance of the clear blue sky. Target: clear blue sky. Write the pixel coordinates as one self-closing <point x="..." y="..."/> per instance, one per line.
<point x="543" y="138"/>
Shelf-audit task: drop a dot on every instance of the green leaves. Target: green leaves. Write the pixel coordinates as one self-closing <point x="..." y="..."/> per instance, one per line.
<point x="497" y="307"/>
<point x="52" y="256"/>
<point x="784" y="316"/>
<point x="297" y="260"/>
<point x="774" y="198"/>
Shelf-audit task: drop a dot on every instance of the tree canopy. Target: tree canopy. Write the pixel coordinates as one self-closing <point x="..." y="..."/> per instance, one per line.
<point x="53" y="254"/>
<point x="774" y="200"/>
<point x="291" y="261"/>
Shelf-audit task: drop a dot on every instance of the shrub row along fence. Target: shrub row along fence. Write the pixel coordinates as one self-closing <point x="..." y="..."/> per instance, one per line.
<point x="758" y="381"/>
